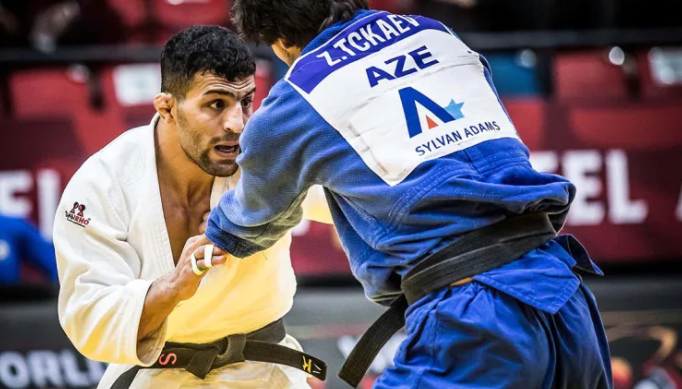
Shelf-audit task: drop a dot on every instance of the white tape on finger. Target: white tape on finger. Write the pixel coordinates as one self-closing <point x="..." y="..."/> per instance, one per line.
<point x="208" y="255"/>
<point x="195" y="267"/>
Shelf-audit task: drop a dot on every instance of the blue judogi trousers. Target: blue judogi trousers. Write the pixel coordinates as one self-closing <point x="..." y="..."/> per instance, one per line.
<point x="474" y="336"/>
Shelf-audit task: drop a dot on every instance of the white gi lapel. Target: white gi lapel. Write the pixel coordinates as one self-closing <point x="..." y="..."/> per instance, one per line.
<point x="152" y="197"/>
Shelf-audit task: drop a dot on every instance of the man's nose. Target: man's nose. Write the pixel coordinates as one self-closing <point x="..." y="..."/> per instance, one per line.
<point x="235" y="120"/>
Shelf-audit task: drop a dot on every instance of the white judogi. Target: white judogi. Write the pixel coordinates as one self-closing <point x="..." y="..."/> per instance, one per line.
<point x="109" y="253"/>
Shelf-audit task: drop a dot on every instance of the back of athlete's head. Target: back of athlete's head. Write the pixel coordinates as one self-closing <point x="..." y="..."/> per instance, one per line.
<point x="295" y="22"/>
<point x="203" y="49"/>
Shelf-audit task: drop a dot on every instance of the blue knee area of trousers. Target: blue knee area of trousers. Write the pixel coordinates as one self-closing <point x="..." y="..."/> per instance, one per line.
<point x="474" y="336"/>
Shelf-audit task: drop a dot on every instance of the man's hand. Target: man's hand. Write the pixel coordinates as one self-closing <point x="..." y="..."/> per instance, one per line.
<point x="166" y="292"/>
<point x="183" y="280"/>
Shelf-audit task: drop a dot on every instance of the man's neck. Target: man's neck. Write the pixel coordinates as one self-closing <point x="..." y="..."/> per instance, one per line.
<point x="177" y="170"/>
<point x="292" y="55"/>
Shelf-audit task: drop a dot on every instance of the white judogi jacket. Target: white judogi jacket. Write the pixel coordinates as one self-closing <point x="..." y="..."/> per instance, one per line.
<point x="114" y="243"/>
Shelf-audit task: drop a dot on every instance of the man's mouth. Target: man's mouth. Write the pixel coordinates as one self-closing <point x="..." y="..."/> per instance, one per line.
<point x="227" y="151"/>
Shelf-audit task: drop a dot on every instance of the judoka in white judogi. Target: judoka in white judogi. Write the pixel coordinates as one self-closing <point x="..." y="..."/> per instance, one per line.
<point x="109" y="256"/>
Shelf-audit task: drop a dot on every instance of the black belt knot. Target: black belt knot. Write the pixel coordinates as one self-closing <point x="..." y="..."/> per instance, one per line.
<point x="231" y="352"/>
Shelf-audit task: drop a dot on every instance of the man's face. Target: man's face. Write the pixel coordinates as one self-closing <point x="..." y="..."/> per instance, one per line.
<point x="210" y="119"/>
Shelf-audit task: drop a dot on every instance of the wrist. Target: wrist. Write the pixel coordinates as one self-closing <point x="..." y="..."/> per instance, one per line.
<point x="169" y="288"/>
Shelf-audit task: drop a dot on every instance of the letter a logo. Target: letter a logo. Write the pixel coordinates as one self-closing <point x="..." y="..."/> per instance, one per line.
<point x="410" y="97"/>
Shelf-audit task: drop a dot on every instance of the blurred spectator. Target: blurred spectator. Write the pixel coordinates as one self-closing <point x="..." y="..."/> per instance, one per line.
<point x="483" y="15"/>
<point x="20" y="241"/>
<point x="45" y="24"/>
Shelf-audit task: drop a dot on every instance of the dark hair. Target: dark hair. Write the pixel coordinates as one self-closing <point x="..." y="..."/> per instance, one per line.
<point x="296" y="22"/>
<point x="200" y="49"/>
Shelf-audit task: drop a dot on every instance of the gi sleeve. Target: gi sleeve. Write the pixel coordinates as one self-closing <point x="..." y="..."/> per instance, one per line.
<point x="100" y="298"/>
<point x="38" y="251"/>
<point x="278" y="165"/>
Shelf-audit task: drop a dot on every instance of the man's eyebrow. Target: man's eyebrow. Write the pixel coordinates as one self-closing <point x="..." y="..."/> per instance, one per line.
<point x="219" y="92"/>
<point x="229" y="93"/>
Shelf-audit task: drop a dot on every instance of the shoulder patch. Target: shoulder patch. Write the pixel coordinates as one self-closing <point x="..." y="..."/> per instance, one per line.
<point x="77" y="215"/>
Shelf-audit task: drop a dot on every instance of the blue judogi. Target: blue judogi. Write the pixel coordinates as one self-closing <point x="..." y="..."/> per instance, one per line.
<point x="475" y="336"/>
<point x="400" y="122"/>
<point x="20" y="241"/>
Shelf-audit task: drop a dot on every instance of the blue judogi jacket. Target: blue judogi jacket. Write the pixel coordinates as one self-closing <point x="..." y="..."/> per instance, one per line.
<point x="20" y="241"/>
<point x="400" y="122"/>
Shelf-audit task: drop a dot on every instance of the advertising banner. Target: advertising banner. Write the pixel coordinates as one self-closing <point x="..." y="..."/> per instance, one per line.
<point x="643" y="320"/>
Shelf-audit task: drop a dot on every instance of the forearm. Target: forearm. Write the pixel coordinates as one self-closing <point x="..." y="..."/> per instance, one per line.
<point x="160" y="301"/>
<point x="241" y="236"/>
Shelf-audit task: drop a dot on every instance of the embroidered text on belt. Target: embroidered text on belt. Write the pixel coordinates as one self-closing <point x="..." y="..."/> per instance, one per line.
<point x="258" y="346"/>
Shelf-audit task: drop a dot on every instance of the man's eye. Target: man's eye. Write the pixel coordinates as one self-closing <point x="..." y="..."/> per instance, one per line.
<point x="247" y="103"/>
<point x="218" y="104"/>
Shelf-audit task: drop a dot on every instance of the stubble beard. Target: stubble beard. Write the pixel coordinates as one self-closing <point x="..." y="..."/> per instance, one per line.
<point x="190" y="141"/>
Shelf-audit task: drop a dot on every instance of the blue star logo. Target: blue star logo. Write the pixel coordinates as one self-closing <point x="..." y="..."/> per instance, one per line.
<point x="455" y="109"/>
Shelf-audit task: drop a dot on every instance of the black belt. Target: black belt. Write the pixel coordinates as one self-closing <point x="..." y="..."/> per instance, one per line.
<point x="474" y="253"/>
<point x="257" y="346"/>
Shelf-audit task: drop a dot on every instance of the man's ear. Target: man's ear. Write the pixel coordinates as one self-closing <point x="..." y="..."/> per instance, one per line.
<point x="288" y="54"/>
<point x="164" y="103"/>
